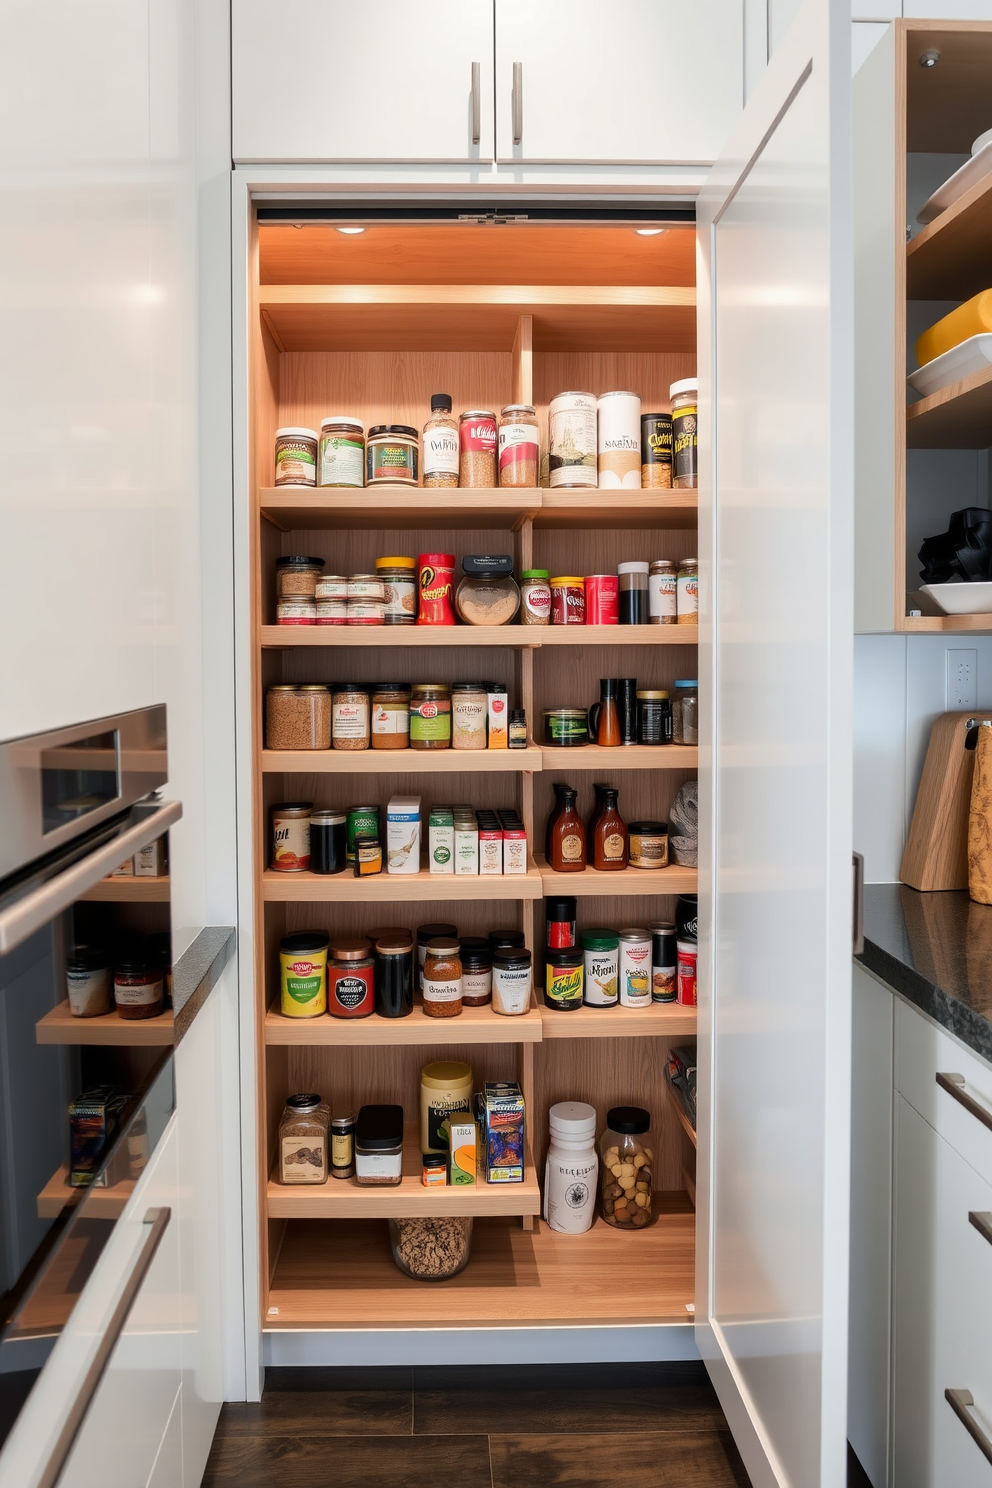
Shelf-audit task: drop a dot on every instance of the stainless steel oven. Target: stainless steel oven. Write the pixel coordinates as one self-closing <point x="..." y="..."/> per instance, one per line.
<point x="86" y="1038"/>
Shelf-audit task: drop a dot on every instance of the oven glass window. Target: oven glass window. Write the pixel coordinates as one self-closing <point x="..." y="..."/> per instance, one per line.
<point x="79" y="778"/>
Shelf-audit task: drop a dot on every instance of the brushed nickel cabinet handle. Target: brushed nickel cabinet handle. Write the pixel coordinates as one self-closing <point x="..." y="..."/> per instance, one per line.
<point x="518" y="103"/>
<point x="859" y="903"/>
<point x="961" y="1402"/>
<point x="476" y="102"/>
<point x="955" y="1086"/>
<point x="982" y="1222"/>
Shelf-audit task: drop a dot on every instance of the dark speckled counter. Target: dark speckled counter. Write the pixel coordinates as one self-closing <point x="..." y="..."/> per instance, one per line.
<point x="935" y="949"/>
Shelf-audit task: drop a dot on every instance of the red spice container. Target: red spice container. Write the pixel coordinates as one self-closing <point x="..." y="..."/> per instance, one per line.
<point x="435" y="578"/>
<point x="568" y="601"/>
<point x="686" y="973"/>
<point x="350" y="977"/>
<point x="602" y="599"/>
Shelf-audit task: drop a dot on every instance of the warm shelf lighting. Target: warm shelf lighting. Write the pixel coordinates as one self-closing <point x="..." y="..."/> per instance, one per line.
<point x="649" y="232"/>
<point x="351" y="231"/>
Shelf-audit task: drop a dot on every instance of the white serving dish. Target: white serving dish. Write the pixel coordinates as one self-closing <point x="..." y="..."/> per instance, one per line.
<point x="961" y="598"/>
<point x="962" y="361"/>
<point x="963" y="179"/>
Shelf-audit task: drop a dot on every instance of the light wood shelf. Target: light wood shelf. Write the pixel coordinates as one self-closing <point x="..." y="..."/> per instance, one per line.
<point x="675" y="1100"/>
<point x="949" y="259"/>
<point x="60" y="1027"/>
<point x="616" y="885"/>
<point x="280" y="637"/>
<point x="344" y="888"/>
<point x="398" y="761"/>
<point x="343" y="1275"/>
<point x="472" y="1026"/>
<point x="129" y="891"/>
<point x="344" y="1198"/>
<point x="956" y="417"/>
<point x="661" y="1020"/>
<point x="633" y="757"/>
<point x="938" y="623"/>
<point x="578" y="510"/>
<point x="108" y="1203"/>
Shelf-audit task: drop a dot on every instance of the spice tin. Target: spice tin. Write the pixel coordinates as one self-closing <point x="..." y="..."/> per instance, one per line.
<point x="686" y="973"/>
<point x="619" y="423"/>
<point x="656" y="451"/>
<point x="648" y="844"/>
<point x="684" y="396"/>
<point x="350" y="978"/>
<point x="563" y="979"/>
<point x="291" y="836"/>
<point x="435" y="577"/>
<point x="572" y="453"/>
<point x="601" y="965"/>
<point x="664" y="963"/>
<point x="303" y="975"/>
<point x="602" y="599"/>
<point x="392" y="456"/>
<point x="342" y="452"/>
<point x="635" y="968"/>
<point x="296" y="457"/>
<point x="566" y="727"/>
<point x="568" y="600"/>
<point x="296" y="611"/>
<point x="363" y="821"/>
<point x="328" y="842"/>
<point x="331" y="586"/>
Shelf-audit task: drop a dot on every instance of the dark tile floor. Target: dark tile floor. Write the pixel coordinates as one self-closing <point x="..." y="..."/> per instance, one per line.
<point x="586" y="1426"/>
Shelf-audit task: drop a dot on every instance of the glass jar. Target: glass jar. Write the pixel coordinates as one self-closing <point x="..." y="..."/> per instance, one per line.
<point x="477" y="972"/>
<point x="662" y="605"/>
<point x="399" y="590"/>
<point x="296" y="457"/>
<point x="518" y="445"/>
<point x="513" y="980"/>
<point x="431" y="1249"/>
<point x="535" y="597"/>
<point x="331" y="586"/>
<point x="685" y="398"/>
<point x="392" y="456"/>
<point x="303" y="1140"/>
<point x="298" y="610"/>
<point x="350" y="977"/>
<point x="654" y="717"/>
<point x="342" y="452"/>
<point x="488" y="593"/>
<point x="394" y="975"/>
<point x="477" y="449"/>
<point x="648" y="844"/>
<point x="425" y="934"/>
<point x="303" y="974"/>
<point x="88" y="983"/>
<point x="139" y="987"/>
<point x="350" y="717"/>
<point x="442" y="981"/>
<point x="440" y="445"/>
<point x="298" y="717"/>
<point x="390" y="716"/>
<point x="296" y="578"/>
<point x="328" y="841"/>
<point x="687" y="592"/>
<point x="517" y="729"/>
<point x="634" y="603"/>
<point x="430" y="716"/>
<point x="685" y="713"/>
<point x="342" y="1146"/>
<point x="626" y="1174"/>
<point x="379" y="1146"/>
<point x="469" y="711"/>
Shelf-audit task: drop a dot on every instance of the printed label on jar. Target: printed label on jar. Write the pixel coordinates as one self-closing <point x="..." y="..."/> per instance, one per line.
<point x="365" y="589"/>
<point x="601" y="978"/>
<point x="688" y="596"/>
<point x="89" y="991"/>
<point x="511" y="989"/>
<point x="303" y="980"/>
<point x="663" y="984"/>
<point x="291" y="843"/>
<point x="517" y="444"/>
<point x="392" y="462"/>
<point x="342" y="461"/>
<point x="442" y="991"/>
<point x="303" y="1160"/>
<point x="684" y="443"/>
<point x="661" y="595"/>
<point x="537" y="601"/>
<point x="571" y="848"/>
<point x="613" y="846"/>
<point x="331" y="586"/>
<point x="342" y="1151"/>
<point x="349" y="720"/>
<point x="390" y="720"/>
<point x="427" y="721"/>
<point x="440" y="452"/>
<point x="400" y="598"/>
<point x="564" y="985"/>
<point x="477" y="984"/>
<point x="351" y="992"/>
<point x="635" y="977"/>
<point x="137" y="991"/>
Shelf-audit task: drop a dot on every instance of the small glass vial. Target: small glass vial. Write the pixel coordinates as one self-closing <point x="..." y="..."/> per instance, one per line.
<point x="441" y="445"/>
<point x="517" y="729"/>
<point x="342" y="1146"/>
<point x="303" y="1140"/>
<point x="685" y="399"/>
<point x="685" y="713"/>
<point x="626" y="1174"/>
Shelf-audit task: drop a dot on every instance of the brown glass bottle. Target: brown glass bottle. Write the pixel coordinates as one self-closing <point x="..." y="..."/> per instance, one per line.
<point x="597" y="811"/>
<point x="568" y="837"/>
<point x="606" y="714"/>
<point x="552" y="818"/>
<point x="608" y="849"/>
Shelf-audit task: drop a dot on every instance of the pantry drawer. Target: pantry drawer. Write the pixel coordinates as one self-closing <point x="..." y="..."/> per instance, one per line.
<point x="923" y="1052"/>
<point x="942" y="1312"/>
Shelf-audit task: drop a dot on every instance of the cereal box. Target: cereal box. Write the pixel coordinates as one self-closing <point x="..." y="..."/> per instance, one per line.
<point x="502" y="1109"/>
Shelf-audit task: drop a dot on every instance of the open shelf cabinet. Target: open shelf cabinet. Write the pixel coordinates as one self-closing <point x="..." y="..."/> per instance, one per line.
<point x="323" y="342"/>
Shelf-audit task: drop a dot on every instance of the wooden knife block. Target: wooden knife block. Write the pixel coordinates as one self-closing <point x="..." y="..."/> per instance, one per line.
<point x="936" y="855"/>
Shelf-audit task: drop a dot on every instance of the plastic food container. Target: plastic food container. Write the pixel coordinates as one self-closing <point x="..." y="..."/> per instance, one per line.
<point x="379" y="1146"/>
<point x="431" y="1249"/>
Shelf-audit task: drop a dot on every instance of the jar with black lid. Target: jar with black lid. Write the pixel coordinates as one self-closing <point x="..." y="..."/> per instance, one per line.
<point x="342" y="1146"/>
<point x="506" y="940"/>
<point x="328" y="841"/>
<point x="654" y="717"/>
<point x="563" y="973"/>
<point x="512" y="981"/>
<point x="477" y="971"/>
<point x="394" y="976"/>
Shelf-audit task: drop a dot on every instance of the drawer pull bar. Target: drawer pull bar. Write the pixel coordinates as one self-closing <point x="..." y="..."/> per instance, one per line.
<point x="955" y="1086"/>
<point x="982" y="1222"/>
<point x="961" y="1402"/>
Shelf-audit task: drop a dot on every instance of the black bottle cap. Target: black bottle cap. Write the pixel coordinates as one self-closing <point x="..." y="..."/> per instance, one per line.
<point x="440" y="403"/>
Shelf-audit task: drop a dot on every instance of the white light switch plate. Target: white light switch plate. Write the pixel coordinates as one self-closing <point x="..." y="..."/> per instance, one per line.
<point x="962" y="678"/>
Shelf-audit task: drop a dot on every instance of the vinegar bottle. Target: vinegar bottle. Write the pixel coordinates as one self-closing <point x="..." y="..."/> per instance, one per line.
<point x="609" y="842"/>
<point x="568" y="837"/>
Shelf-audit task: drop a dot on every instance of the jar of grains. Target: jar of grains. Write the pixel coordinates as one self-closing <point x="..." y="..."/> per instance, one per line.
<point x="687" y="592"/>
<point x="296" y="457"/>
<point x="625" y="1174"/>
<point x="303" y="1140"/>
<point x="685" y="713"/>
<point x="443" y="978"/>
<point x="342" y="452"/>
<point x="477" y="449"/>
<point x="469" y="710"/>
<point x="662" y="608"/>
<point x="392" y="456"/>
<point x="685" y="397"/>
<point x="430" y="716"/>
<point x="399" y="590"/>
<point x="296" y="577"/>
<point x="391" y="716"/>
<point x="298" y="717"/>
<point x="518" y="445"/>
<point x="488" y="594"/>
<point x="349" y="717"/>
<point x="535" y="597"/>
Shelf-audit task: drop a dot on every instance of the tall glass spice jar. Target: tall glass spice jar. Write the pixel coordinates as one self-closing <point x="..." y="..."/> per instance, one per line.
<point x="518" y="445"/>
<point x="685" y="398"/>
<point x="442" y="986"/>
<point x="303" y="1140"/>
<point x="662" y="592"/>
<point x="440" y="445"/>
<point x="425" y="934"/>
<point x="430" y="716"/>
<point x="477" y="449"/>
<point x="350" y="717"/>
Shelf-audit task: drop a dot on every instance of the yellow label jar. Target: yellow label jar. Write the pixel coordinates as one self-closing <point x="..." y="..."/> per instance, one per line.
<point x="445" y="1086"/>
<point x="303" y="974"/>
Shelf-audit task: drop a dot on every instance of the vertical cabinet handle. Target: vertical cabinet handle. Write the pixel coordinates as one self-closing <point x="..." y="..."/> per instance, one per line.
<point x="859" y="902"/>
<point x="961" y="1403"/>
<point x="955" y="1087"/>
<point x="476" y="102"/>
<point x="982" y="1222"/>
<point x="518" y="103"/>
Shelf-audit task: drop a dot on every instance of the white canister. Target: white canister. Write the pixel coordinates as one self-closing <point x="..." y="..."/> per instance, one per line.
<point x="619" y="441"/>
<point x="572" y="449"/>
<point x="635" y="968"/>
<point x="513" y="977"/>
<point x="572" y="1167"/>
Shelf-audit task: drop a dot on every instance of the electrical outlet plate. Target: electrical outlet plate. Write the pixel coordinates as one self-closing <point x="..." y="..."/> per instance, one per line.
<point x="961" y="678"/>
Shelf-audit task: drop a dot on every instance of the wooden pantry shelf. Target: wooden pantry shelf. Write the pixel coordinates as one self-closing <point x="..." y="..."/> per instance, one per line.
<point x="343" y="888"/>
<point x="60" y="1027"/>
<point x="616" y="885"/>
<point x="956" y="417"/>
<point x="107" y="1203"/>
<point x="129" y="891"/>
<point x="669" y="510"/>
<point x="661" y="1020"/>
<point x="478" y="317"/>
<point x="344" y="1198"/>
<point x="398" y="761"/>
<point x="527" y="637"/>
<point x="633" y="757"/>
<point x="471" y="1026"/>
<point x="396" y="507"/>
<point x="341" y="1275"/>
<point x="978" y="624"/>
<point x="949" y="259"/>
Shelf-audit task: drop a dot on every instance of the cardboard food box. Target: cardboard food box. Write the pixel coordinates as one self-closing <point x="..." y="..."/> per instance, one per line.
<point x="502" y="1110"/>
<point x="441" y="840"/>
<point x="94" y="1118"/>
<point x="462" y="1135"/>
<point x="403" y="835"/>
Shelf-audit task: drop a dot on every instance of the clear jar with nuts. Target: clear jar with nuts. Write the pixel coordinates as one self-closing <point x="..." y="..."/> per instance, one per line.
<point x="626" y="1184"/>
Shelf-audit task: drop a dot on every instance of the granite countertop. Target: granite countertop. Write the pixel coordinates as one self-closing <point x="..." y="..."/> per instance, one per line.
<point x="936" y="949"/>
<point x="197" y="972"/>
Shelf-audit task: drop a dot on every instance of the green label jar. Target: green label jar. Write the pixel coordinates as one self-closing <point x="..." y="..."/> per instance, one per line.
<point x="303" y="975"/>
<point x="430" y="717"/>
<point x="342" y="452"/>
<point x="563" y="979"/>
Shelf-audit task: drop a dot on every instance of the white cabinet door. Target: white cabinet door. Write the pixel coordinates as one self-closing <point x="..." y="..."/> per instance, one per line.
<point x="636" y="81"/>
<point x="395" y="80"/>
<point x="942" y="1310"/>
<point x="775" y="505"/>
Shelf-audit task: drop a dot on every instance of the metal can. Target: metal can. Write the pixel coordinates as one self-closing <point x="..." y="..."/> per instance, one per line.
<point x="619" y="441"/>
<point x="686" y="973"/>
<point x="664" y="963"/>
<point x="656" y="451"/>
<point x="601" y="957"/>
<point x="635" y="968"/>
<point x="563" y="978"/>
<point x="685" y="412"/>
<point x="602" y="599"/>
<point x="568" y="600"/>
<point x="572" y="451"/>
<point x="435" y="577"/>
<point x="363" y="821"/>
<point x="303" y="974"/>
<point x="291" y="836"/>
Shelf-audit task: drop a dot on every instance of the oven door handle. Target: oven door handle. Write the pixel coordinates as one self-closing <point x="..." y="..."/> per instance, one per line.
<point x="22" y="918"/>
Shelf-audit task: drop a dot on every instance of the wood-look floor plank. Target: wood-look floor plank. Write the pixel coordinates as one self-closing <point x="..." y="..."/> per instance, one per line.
<point x="349" y="1462"/>
<point x="331" y="1413"/>
<point x="636" y="1459"/>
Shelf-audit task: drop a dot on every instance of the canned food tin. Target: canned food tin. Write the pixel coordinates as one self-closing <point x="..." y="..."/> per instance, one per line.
<point x="363" y="821"/>
<point x="303" y="974"/>
<point x="435" y="576"/>
<point x="686" y="973"/>
<point x="563" y="979"/>
<point x="635" y="968"/>
<point x="602" y="599"/>
<point x="568" y="601"/>
<point x="601" y="958"/>
<point x="656" y="451"/>
<point x="664" y="962"/>
<point x="619" y="441"/>
<point x="291" y="836"/>
<point x="572" y="452"/>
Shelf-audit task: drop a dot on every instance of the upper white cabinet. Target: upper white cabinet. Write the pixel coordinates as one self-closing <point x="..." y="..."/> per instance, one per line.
<point x="324" y="80"/>
<point x="635" y="82"/>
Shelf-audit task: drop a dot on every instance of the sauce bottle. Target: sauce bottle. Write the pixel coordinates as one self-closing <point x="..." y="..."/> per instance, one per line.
<point x="609" y="841"/>
<point x="604" y="716"/>
<point x="597" y="811"/>
<point x="552" y="818"/>
<point x="568" y="837"/>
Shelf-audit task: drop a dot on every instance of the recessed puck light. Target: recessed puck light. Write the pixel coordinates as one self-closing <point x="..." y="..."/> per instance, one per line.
<point x="649" y="232"/>
<point x="930" y="58"/>
<point x="351" y="231"/>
